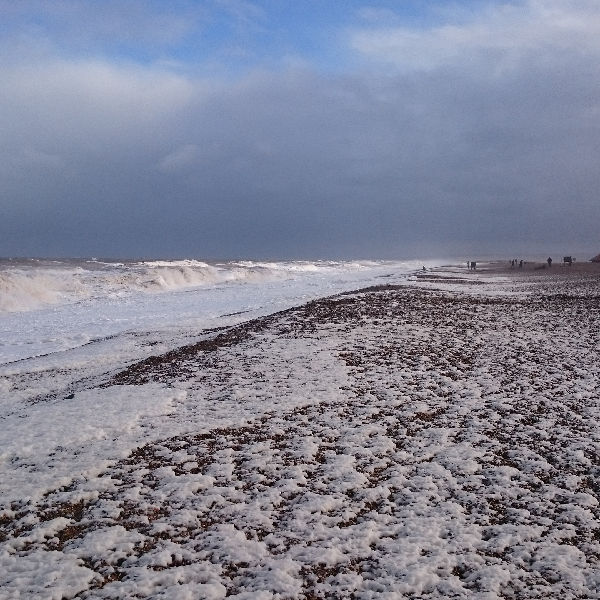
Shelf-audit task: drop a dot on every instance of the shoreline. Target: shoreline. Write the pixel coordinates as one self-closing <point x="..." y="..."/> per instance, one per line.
<point x="402" y="439"/>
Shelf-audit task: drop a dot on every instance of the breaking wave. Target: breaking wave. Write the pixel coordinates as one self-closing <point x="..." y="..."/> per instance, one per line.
<point x="30" y="284"/>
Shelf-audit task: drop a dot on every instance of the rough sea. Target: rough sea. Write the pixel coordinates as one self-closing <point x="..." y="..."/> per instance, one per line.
<point x="49" y="307"/>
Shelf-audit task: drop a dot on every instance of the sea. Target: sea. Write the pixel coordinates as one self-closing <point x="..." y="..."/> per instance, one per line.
<point x="128" y="309"/>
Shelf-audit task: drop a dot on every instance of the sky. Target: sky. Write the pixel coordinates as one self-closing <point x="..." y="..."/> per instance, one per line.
<point x="289" y="129"/>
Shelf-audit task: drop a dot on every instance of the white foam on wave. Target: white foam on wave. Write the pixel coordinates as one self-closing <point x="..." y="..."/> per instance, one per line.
<point x="36" y="286"/>
<point x="22" y="290"/>
<point x="52" y="306"/>
<point x="31" y="288"/>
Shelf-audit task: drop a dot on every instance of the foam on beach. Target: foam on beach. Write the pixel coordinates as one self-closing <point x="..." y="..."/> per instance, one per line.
<point x="434" y="439"/>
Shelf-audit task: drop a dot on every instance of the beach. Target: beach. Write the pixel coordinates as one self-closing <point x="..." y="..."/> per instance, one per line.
<point x="432" y="439"/>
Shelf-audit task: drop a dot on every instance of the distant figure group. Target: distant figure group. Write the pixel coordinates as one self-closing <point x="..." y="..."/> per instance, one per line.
<point x="515" y="262"/>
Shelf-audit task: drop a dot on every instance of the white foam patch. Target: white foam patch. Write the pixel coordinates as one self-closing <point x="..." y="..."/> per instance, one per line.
<point x="43" y="574"/>
<point x="46" y="445"/>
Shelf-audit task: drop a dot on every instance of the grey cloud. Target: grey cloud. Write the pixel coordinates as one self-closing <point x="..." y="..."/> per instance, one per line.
<point x="463" y="158"/>
<point x="184" y="157"/>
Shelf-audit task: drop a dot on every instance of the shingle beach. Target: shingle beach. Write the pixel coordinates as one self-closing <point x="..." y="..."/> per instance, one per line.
<point x="432" y="440"/>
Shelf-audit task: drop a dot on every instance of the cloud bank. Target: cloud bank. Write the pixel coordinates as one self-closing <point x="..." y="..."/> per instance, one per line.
<point x="475" y="133"/>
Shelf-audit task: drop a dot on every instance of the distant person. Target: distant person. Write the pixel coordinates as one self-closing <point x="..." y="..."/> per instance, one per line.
<point x="424" y="269"/>
<point x="473" y="265"/>
<point x="521" y="264"/>
<point x="549" y="261"/>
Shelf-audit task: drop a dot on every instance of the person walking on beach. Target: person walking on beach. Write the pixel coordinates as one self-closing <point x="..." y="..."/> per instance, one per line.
<point x="549" y="261"/>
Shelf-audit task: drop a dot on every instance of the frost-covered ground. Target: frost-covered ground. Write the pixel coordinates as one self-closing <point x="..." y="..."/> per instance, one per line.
<point x="434" y="440"/>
